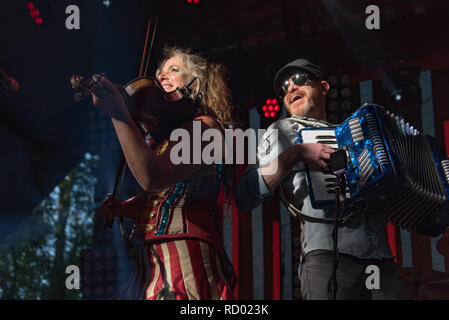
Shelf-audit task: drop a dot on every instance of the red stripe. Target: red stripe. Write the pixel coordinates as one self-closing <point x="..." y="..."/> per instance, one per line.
<point x="399" y="259"/>
<point x="235" y="248"/>
<point x="391" y="238"/>
<point x="199" y="271"/>
<point x="276" y="260"/>
<point x="242" y="248"/>
<point x="176" y="272"/>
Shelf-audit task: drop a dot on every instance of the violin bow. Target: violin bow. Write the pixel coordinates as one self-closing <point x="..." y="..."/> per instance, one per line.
<point x="144" y="65"/>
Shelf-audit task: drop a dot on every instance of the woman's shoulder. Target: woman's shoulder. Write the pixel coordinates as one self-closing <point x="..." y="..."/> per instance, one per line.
<point x="208" y="120"/>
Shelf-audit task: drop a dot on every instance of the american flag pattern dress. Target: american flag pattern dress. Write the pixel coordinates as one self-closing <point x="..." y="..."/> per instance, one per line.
<point x="179" y="253"/>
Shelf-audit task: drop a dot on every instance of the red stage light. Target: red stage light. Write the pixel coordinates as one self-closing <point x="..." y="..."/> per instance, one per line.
<point x="271" y="108"/>
<point x="34" y="13"/>
<point x="196" y="1"/>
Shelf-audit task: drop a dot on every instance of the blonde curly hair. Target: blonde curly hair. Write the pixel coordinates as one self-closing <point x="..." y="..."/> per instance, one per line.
<point x="215" y="97"/>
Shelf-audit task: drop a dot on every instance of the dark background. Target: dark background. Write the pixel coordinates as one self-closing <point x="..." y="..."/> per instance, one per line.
<point x="44" y="132"/>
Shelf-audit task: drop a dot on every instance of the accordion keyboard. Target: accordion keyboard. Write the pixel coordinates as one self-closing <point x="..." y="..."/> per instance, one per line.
<point x="322" y="184"/>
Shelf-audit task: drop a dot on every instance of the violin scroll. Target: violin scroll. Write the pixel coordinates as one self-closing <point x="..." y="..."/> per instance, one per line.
<point x="83" y="86"/>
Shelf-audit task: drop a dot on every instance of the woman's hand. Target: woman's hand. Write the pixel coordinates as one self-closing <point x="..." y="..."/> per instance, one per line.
<point x="112" y="207"/>
<point x="108" y="98"/>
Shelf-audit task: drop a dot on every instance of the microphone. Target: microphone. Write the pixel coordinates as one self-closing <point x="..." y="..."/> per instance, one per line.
<point x="8" y="83"/>
<point x="189" y="92"/>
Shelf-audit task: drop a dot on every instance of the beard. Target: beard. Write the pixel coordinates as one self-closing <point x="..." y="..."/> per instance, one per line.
<point x="310" y="110"/>
<point x="305" y="112"/>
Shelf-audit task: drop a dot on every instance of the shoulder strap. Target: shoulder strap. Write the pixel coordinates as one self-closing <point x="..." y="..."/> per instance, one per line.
<point x="298" y="214"/>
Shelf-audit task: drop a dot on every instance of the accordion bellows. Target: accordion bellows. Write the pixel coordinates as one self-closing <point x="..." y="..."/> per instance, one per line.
<point x="393" y="169"/>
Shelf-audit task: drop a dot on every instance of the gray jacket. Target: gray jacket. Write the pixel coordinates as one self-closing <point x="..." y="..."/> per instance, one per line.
<point x="363" y="236"/>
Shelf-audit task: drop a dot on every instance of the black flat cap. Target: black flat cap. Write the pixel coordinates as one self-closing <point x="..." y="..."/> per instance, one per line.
<point x="298" y="64"/>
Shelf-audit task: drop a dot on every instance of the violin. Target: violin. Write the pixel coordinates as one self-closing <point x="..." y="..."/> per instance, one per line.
<point x="148" y="102"/>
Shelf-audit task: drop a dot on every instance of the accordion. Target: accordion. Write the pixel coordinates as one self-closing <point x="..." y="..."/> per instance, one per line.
<point x="393" y="169"/>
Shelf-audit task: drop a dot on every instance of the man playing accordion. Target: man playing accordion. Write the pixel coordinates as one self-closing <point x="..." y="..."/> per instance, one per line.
<point x="361" y="239"/>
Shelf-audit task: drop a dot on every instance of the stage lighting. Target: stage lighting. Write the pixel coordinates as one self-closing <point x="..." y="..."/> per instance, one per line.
<point x="333" y="93"/>
<point x="194" y="2"/>
<point x="403" y="88"/>
<point x="34" y="13"/>
<point x="339" y="102"/>
<point x="100" y="132"/>
<point x="397" y="95"/>
<point x="271" y="108"/>
<point x="107" y="3"/>
<point x="345" y="92"/>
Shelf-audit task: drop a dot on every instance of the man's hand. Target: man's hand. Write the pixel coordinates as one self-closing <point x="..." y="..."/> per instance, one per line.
<point x="316" y="155"/>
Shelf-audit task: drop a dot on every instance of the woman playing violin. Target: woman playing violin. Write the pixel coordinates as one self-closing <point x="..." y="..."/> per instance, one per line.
<point x="180" y="255"/>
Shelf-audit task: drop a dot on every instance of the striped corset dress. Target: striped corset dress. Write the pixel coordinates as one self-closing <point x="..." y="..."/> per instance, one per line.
<point x="179" y="253"/>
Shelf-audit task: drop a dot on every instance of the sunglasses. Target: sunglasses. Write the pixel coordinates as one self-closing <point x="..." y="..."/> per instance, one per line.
<point x="299" y="79"/>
